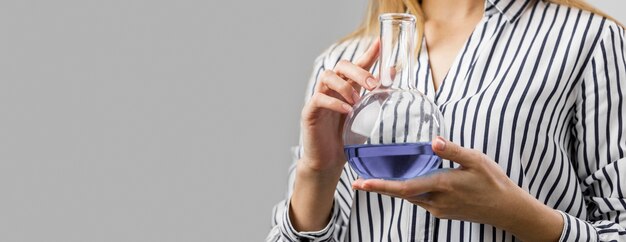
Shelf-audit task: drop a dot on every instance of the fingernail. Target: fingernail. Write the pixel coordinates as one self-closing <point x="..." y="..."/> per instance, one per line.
<point x="356" y="184"/>
<point x="365" y="186"/>
<point x="355" y="97"/>
<point x="371" y="82"/>
<point x="347" y="107"/>
<point x="439" y="144"/>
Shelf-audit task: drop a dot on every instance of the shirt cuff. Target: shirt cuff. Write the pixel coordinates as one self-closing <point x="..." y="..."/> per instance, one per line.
<point x="575" y="229"/>
<point x="290" y="233"/>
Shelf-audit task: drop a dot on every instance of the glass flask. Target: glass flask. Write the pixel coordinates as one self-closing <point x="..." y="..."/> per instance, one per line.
<point x="389" y="132"/>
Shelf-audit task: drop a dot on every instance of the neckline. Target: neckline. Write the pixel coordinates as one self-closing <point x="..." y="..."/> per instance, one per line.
<point x="456" y="63"/>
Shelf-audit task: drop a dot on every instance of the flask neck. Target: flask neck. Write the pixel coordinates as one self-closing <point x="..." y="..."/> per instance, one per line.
<point x="397" y="50"/>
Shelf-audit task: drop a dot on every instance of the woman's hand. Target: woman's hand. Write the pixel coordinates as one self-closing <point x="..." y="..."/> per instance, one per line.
<point x="321" y="164"/>
<point x="479" y="191"/>
<point x="323" y="116"/>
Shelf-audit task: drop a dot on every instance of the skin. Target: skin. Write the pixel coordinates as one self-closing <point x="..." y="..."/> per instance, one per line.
<point x="478" y="191"/>
<point x="446" y="30"/>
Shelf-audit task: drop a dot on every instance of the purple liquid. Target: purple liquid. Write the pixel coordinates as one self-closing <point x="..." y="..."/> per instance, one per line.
<point x="392" y="161"/>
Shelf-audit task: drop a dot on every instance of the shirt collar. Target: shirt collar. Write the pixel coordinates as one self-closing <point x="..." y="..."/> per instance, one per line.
<point x="511" y="9"/>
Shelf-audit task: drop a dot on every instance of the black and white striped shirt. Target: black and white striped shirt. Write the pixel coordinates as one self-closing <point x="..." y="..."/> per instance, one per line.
<point x="540" y="89"/>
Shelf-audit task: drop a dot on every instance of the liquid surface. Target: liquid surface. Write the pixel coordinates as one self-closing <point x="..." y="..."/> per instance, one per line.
<point x="392" y="161"/>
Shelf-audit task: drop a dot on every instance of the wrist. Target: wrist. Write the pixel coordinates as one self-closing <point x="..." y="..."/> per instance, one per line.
<point x="312" y="198"/>
<point x="307" y="169"/>
<point x="529" y="219"/>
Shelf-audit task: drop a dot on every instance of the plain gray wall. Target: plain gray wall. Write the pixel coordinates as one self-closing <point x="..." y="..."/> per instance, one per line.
<point x="154" y="120"/>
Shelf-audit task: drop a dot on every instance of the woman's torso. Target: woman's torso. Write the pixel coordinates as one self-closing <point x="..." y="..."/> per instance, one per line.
<point x="511" y="93"/>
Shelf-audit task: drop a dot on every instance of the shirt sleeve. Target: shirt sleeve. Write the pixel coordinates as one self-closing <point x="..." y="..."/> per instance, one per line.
<point x="600" y="136"/>
<point x="335" y="230"/>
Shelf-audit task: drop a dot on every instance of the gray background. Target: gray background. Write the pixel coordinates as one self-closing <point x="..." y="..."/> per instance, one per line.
<point x="154" y="120"/>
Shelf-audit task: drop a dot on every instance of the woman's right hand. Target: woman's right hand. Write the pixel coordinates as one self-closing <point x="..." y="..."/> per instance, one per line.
<point x="321" y="164"/>
<point x="323" y="116"/>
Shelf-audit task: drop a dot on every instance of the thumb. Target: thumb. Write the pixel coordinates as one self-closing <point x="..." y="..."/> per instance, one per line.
<point x="456" y="153"/>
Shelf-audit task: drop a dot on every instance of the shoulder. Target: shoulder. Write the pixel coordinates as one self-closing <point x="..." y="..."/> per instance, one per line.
<point x="348" y="49"/>
<point x="587" y="26"/>
<point x="581" y="32"/>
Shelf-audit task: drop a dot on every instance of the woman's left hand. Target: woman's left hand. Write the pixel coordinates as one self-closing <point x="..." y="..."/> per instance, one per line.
<point x="478" y="191"/>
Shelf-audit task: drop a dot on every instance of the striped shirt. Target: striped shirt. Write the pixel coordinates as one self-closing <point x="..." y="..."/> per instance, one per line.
<point x="539" y="88"/>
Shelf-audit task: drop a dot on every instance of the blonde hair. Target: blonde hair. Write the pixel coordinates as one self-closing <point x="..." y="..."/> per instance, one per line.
<point x="369" y="26"/>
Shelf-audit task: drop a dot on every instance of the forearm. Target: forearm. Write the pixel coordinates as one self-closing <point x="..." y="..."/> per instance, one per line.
<point x="529" y="219"/>
<point x="312" y="198"/>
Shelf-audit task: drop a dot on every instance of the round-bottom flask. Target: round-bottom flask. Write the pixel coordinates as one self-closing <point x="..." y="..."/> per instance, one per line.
<point x="389" y="132"/>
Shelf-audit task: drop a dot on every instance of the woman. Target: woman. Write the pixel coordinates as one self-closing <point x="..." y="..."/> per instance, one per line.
<point x="532" y="93"/>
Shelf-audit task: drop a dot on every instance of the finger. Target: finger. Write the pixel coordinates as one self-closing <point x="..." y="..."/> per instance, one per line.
<point x="322" y="101"/>
<point x="403" y="189"/>
<point x="355" y="73"/>
<point x="368" y="58"/>
<point x="392" y="73"/>
<point x="358" y="185"/>
<point x="331" y="81"/>
<point x="451" y="151"/>
<point x="388" y="73"/>
<point x="365" y="61"/>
